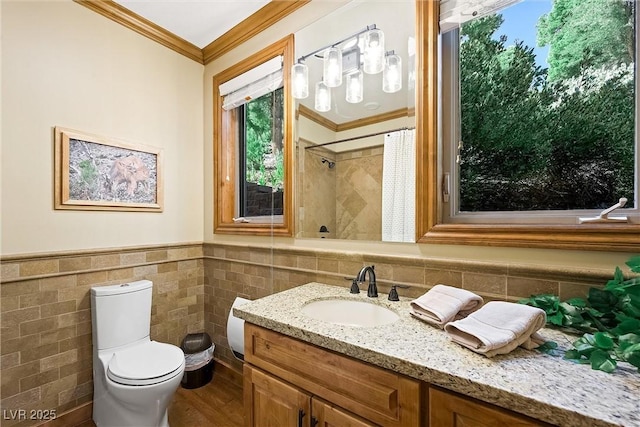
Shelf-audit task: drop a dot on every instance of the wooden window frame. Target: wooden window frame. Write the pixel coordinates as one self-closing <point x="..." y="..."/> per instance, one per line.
<point x="430" y="227"/>
<point x="225" y="149"/>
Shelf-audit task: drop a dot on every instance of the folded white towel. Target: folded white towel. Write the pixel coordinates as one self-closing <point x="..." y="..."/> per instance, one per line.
<point x="443" y="304"/>
<point x="498" y="328"/>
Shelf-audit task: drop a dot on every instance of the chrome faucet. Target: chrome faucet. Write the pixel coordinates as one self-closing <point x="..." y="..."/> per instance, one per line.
<point x="372" y="291"/>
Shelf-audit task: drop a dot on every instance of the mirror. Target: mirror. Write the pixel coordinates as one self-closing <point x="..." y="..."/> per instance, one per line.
<point x="340" y="153"/>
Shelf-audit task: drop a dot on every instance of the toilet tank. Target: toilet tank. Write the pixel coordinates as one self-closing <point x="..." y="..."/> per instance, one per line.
<point x="120" y="314"/>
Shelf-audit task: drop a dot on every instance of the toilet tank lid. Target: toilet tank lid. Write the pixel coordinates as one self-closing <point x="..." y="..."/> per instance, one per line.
<point x="103" y="291"/>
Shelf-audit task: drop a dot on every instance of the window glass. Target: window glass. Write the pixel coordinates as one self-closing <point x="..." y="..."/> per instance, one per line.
<point x="261" y="159"/>
<point x="546" y="107"/>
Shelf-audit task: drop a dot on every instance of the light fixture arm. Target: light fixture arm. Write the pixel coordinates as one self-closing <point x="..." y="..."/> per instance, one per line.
<point x="367" y="28"/>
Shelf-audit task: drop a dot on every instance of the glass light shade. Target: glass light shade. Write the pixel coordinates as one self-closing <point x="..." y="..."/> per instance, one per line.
<point x="392" y="74"/>
<point x="300" y="81"/>
<point x="355" y="87"/>
<point x="323" y="97"/>
<point x="332" y="67"/>
<point x="373" y="51"/>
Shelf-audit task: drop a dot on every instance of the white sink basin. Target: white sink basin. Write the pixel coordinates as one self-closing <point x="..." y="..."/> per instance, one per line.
<point x="349" y="312"/>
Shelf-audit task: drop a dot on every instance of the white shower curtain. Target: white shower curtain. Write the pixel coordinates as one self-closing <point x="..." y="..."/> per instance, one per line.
<point x="399" y="187"/>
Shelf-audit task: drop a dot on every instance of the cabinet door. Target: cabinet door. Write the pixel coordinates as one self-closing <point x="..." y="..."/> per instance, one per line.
<point x="327" y="415"/>
<point x="382" y="396"/>
<point x="270" y="402"/>
<point x="447" y="409"/>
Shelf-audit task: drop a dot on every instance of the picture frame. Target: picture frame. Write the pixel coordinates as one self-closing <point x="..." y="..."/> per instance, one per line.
<point x="93" y="172"/>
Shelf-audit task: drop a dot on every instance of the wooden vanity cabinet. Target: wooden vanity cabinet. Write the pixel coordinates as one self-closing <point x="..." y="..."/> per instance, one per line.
<point x="276" y="403"/>
<point x="448" y="409"/>
<point x="327" y="415"/>
<point x="271" y="402"/>
<point x="288" y="382"/>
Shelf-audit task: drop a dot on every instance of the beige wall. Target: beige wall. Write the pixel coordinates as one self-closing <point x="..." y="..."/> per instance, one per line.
<point x="64" y="65"/>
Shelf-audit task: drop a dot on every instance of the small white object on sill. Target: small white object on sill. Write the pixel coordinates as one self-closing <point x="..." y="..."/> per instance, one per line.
<point x="604" y="215"/>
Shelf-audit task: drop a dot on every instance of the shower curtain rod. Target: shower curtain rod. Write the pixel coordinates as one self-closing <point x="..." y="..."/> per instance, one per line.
<point x="359" y="137"/>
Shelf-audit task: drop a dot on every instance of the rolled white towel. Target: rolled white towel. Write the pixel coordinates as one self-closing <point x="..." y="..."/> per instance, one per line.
<point x="498" y="328"/>
<point x="443" y="304"/>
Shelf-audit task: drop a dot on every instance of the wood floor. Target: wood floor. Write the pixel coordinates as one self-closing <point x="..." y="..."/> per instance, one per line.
<point x="217" y="404"/>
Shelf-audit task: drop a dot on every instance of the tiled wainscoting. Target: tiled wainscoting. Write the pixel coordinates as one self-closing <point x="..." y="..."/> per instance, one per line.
<point x="46" y="319"/>
<point x="45" y="299"/>
<point x="253" y="272"/>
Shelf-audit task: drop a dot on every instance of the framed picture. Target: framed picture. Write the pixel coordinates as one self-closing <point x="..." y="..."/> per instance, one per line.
<point x="97" y="173"/>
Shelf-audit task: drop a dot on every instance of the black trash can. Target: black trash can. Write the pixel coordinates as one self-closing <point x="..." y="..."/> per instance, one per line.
<point x="198" y="355"/>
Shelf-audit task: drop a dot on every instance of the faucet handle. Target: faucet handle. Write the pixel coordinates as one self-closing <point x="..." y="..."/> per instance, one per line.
<point x="355" y="289"/>
<point x="393" y="293"/>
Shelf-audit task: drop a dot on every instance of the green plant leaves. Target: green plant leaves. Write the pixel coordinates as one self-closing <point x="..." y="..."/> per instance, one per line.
<point x="602" y="300"/>
<point x="601" y="361"/>
<point x="603" y="341"/>
<point x="610" y="318"/>
<point x="634" y="263"/>
<point x="548" y="347"/>
<point x="626" y="326"/>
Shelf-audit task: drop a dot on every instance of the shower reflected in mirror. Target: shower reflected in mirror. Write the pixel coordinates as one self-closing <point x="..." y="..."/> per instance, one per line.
<point x="330" y="164"/>
<point x="340" y="152"/>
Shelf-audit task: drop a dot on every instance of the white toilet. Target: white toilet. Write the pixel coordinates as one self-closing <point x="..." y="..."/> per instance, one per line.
<point x="134" y="378"/>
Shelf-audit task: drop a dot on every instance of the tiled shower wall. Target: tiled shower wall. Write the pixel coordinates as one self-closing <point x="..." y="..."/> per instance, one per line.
<point x="346" y="198"/>
<point x="46" y="318"/>
<point x="359" y="194"/>
<point x="46" y="321"/>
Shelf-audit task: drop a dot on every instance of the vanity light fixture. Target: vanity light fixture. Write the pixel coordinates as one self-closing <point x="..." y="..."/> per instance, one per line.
<point x="300" y="80"/>
<point x="392" y="73"/>
<point x="355" y="87"/>
<point x="332" y="67"/>
<point x="360" y="52"/>
<point x="323" y="97"/>
<point x="373" y="51"/>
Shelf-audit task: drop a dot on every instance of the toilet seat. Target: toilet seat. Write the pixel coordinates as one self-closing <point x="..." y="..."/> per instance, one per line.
<point x="145" y="364"/>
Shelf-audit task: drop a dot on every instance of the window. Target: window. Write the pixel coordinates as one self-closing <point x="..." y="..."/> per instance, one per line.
<point x="540" y="108"/>
<point x="446" y="209"/>
<point x="261" y="159"/>
<point x="253" y="149"/>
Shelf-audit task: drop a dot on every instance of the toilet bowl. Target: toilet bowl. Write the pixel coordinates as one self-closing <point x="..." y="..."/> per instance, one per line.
<point x="134" y="378"/>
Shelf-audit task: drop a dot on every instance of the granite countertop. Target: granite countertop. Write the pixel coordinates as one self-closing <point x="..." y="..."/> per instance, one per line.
<point x="545" y="387"/>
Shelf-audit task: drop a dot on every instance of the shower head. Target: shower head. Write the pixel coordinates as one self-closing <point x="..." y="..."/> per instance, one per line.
<point x="330" y="163"/>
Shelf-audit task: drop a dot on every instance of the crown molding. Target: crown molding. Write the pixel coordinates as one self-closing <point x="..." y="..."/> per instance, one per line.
<point x="265" y="17"/>
<point x="315" y="117"/>
<point x="137" y="23"/>
<point x="371" y="120"/>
